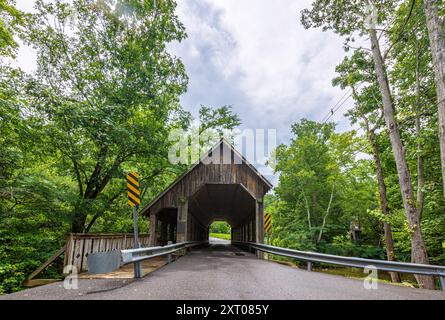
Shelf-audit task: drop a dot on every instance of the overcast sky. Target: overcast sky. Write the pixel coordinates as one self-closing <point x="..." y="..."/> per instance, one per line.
<point x="256" y="56"/>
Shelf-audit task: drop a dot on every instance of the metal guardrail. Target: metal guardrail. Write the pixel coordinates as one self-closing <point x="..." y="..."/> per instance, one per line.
<point x="137" y="255"/>
<point x="391" y="266"/>
<point x="105" y="262"/>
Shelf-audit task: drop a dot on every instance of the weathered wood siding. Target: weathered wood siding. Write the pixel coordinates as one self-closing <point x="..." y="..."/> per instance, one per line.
<point x="220" y="173"/>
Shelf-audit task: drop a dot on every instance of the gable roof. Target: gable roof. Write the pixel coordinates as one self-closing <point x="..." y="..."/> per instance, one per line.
<point x="223" y="141"/>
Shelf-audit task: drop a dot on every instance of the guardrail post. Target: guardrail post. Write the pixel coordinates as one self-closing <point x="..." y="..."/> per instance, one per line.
<point x="312" y="257"/>
<point x="169" y="256"/>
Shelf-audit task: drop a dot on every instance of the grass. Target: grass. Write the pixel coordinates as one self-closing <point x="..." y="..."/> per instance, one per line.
<point x="220" y="236"/>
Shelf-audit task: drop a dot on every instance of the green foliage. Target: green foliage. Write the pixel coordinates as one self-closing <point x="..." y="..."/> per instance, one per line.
<point x="220" y="227"/>
<point x="218" y="119"/>
<point x="346" y="18"/>
<point x="343" y="246"/>
<point x="318" y="177"/>
<point x="11" y="277"/>
<point x="107" y="93"/>
<point x="223" y="236"/>
<point x="393" y="81"/>
<point x="102" y="102"/>
<point x="11" y="20"/>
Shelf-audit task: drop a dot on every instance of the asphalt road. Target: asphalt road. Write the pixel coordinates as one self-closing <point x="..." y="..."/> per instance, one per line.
<point x="224" y="272"/>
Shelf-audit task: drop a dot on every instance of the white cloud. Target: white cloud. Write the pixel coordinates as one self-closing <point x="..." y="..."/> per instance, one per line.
<point x="280" y="71"/>
<point x="256" y="55"/>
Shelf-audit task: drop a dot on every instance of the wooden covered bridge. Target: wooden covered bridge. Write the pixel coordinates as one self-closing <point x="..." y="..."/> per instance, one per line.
<point x="221" y="186"/>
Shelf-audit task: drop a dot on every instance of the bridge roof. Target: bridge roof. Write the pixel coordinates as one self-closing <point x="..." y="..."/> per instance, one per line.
<point x="222" y="142"/>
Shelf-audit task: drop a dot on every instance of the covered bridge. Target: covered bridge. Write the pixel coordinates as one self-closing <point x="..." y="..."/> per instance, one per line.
<point x="221" y="186"/>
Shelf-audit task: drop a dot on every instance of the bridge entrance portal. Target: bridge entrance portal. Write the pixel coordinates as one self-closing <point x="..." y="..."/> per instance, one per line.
<point x="228" y="189"/>
<point x="220" y="229"/>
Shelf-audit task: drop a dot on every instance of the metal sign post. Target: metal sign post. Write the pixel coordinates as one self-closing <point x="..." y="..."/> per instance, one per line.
<point x="134" y="200"/>
<point x="137" y="265"/>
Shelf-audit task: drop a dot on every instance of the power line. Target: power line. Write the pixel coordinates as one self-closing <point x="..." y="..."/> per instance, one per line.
<point x="348" y="94"/>
<point x="334" y="111"/>
<point x="325" y="119"/>
<point x="340" y="104"/>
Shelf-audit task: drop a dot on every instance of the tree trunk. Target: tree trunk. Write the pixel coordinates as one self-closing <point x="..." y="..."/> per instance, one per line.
<point x="418" y="249"/>
<point x="97" y="215"/>
<point x="420" y="160"/>
<point x="94" y="187"/>
<point x="389" y="241"/>
<point x="308" y="211"/>
<point x="79" y="219"/>
<point x="320" y="235"/>
<point x="437" y="43"/>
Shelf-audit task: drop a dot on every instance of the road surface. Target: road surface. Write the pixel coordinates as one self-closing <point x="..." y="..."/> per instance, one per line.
<point x="221" y="271"/>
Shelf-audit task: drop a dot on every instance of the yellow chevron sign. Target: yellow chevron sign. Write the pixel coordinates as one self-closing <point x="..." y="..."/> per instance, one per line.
<point x="133" y="189"/>
<point x="267" y="223"/>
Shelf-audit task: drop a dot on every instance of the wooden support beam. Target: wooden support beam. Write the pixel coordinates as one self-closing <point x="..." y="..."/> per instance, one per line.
<point x="259" y="219"/>
<point x="153" y="230"/>
<point x="182" y="224"/>
<point x="46" y="263"/>
<point x="38" y="282"/>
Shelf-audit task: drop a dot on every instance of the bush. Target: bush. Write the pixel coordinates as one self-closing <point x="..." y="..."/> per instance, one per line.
<point x="11" y="278"/>
<point x="220" y="227"/>
<point x="343" y="246"/>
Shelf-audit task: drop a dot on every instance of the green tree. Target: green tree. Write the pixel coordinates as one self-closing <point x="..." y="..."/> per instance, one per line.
<point x="312" y="184"/>
<point x="11" y="21"/>
<point x="220" y="227"/>
<point x="414" y="81"/>
<point x="351" y="18"/>
<point x="102" y="102"/>
<point x="108" y="91"/>
<point x="355" y="71"/>
<point x="434" y="22"/>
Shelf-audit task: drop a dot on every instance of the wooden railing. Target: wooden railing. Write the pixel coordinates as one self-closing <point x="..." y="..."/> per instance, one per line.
<point x="79" y="246"/>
